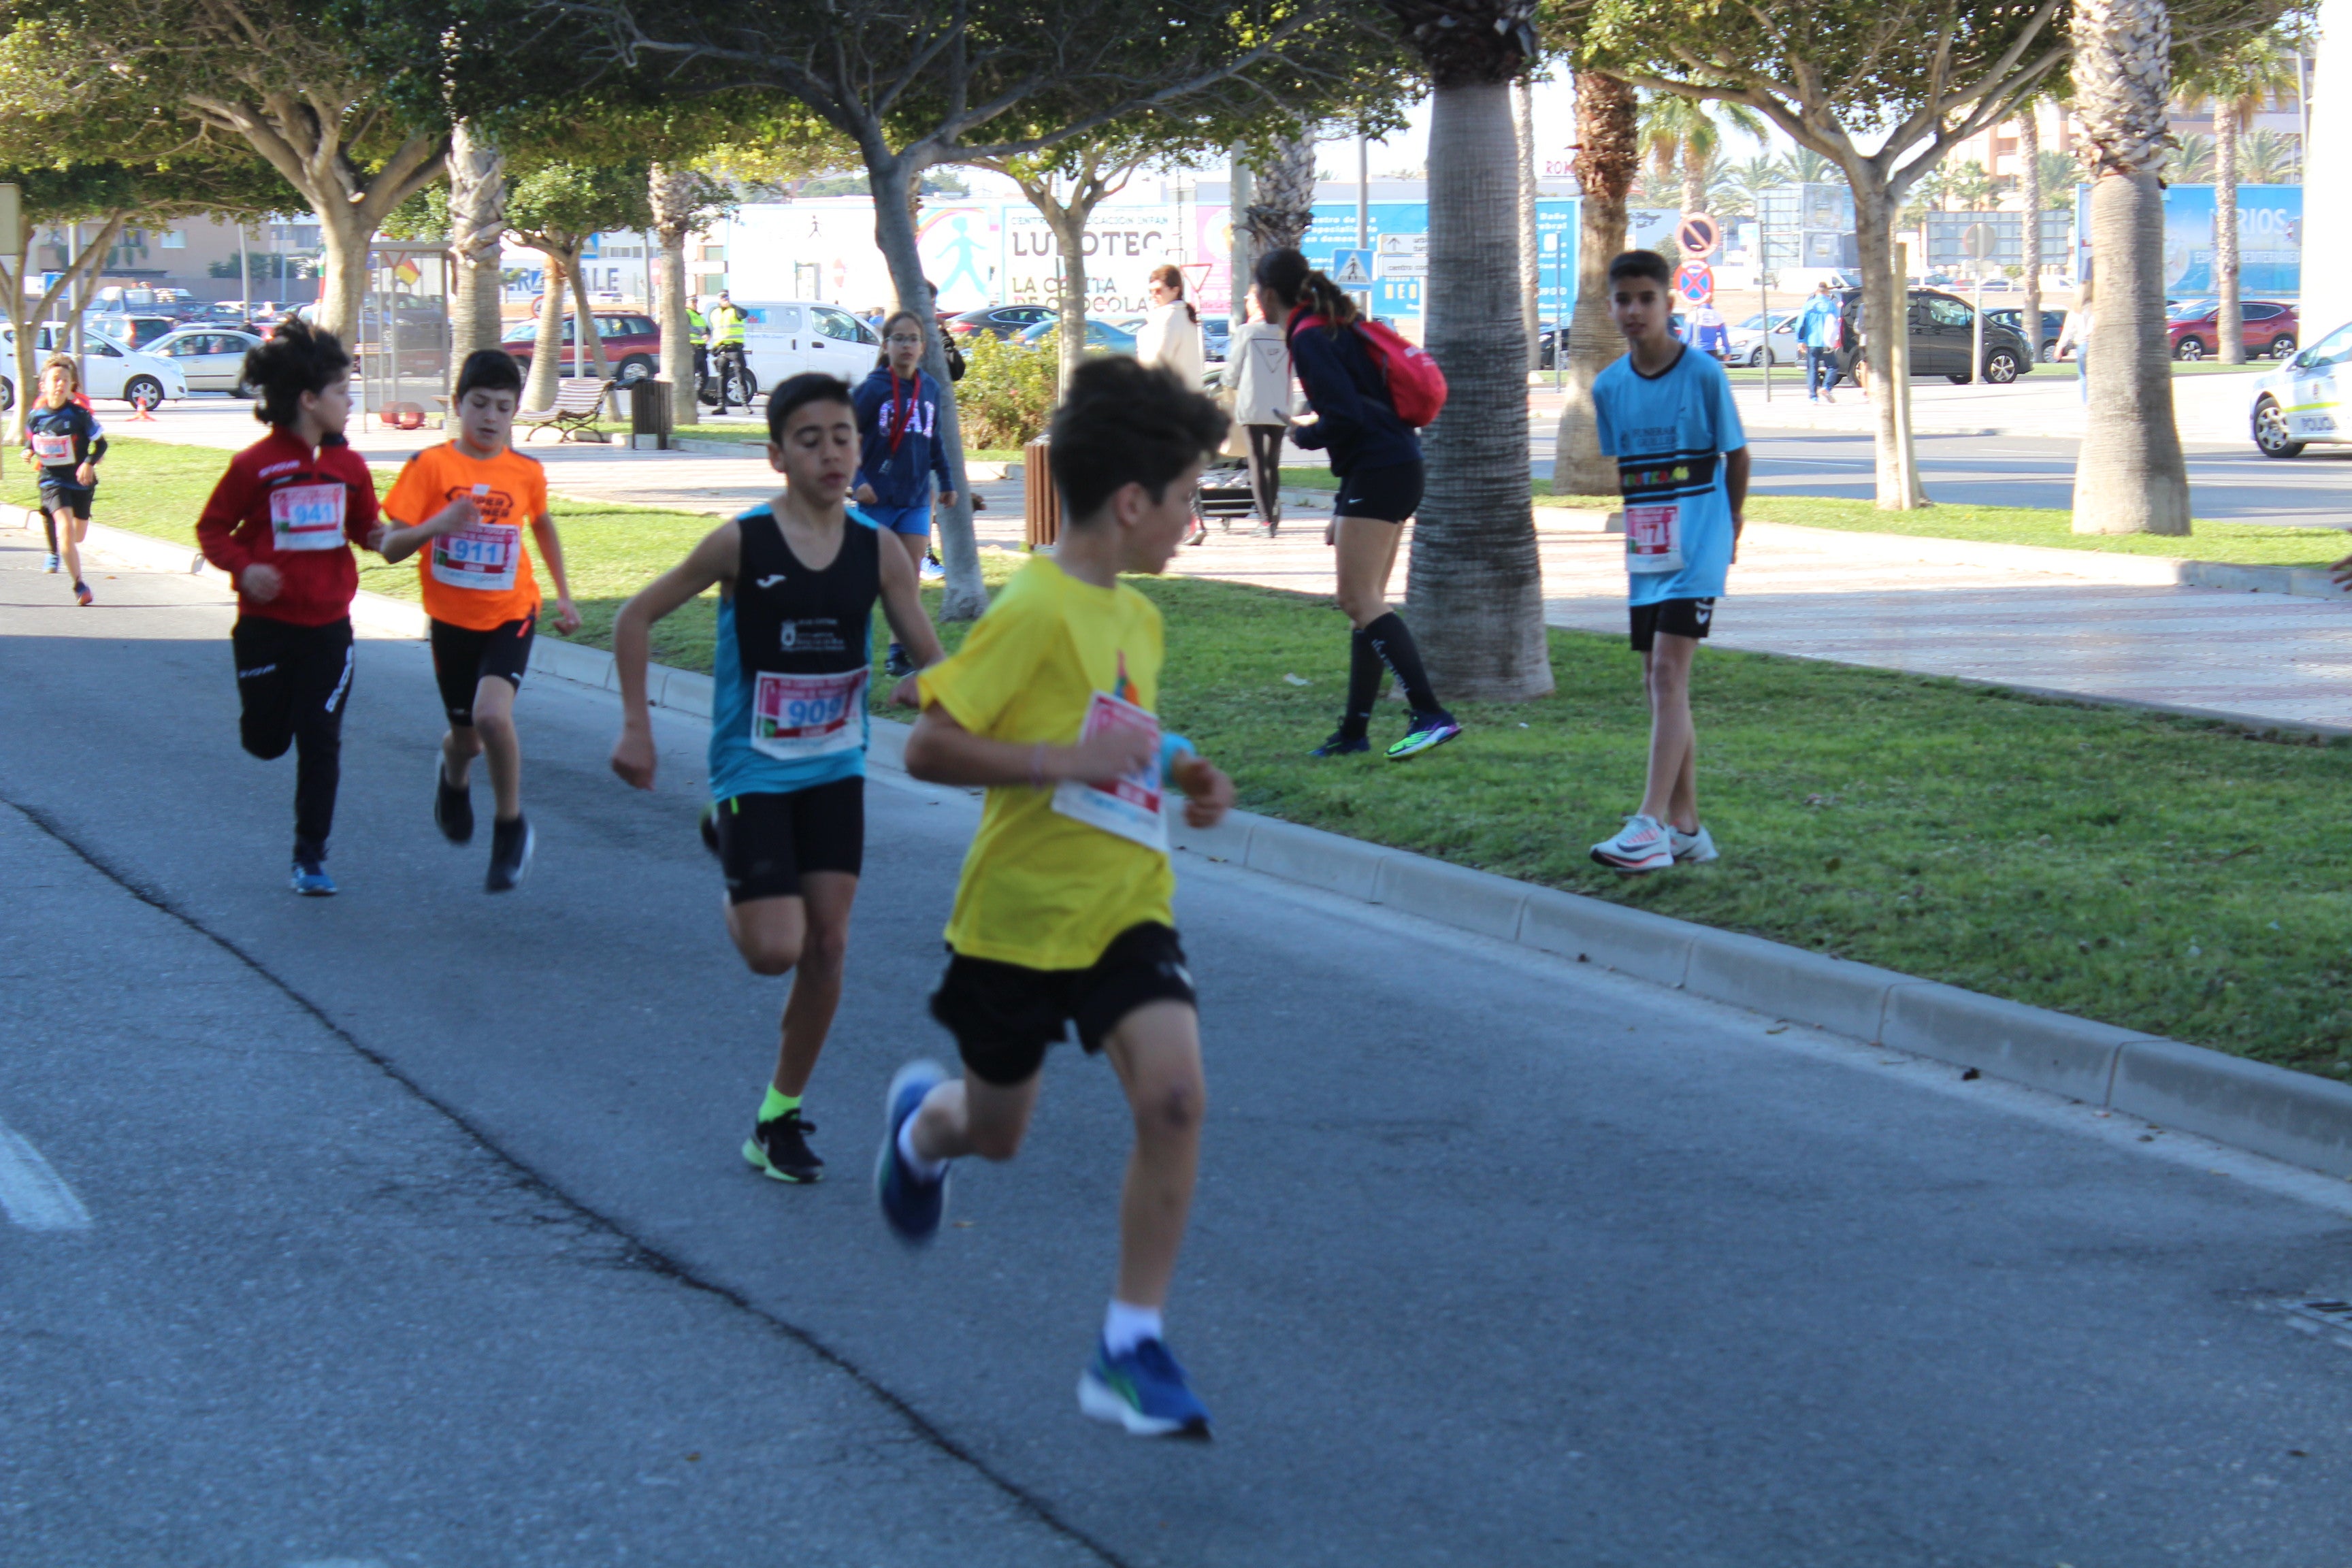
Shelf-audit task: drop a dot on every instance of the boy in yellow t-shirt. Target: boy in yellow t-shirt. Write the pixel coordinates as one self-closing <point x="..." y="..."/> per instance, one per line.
<point x="1063" y="912"/>
<point x="469" y="498"/>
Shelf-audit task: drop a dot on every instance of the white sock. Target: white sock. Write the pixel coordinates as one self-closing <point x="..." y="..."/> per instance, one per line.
<point x="922" y="1170"/>
<point x="1126" y="1327"/>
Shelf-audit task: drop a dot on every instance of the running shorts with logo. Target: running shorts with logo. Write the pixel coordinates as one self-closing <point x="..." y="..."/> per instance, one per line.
<point x="464" y="658"/>
<point x="1004" y="1016"/>
<point x="1391" y="493"/>
<point x="1675" y="617"/>
<point x="767" y="842"/>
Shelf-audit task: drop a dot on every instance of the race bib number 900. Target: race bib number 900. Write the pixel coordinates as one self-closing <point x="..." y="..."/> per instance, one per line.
<point x="799" y="716"/>
<point x="307" y="517"/>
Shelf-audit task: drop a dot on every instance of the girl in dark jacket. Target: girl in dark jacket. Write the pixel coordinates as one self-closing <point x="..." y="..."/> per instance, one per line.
<point x="1378" y="460"/>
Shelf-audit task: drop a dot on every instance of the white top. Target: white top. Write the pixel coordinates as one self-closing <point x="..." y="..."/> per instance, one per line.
<point x="1258" y="367"/>
<point x="1171" y="337"/>
<point x="2075" y="331"/>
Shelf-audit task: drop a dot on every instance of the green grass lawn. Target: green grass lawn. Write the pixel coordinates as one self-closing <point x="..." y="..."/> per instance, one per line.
<point x="2149" y="871"/>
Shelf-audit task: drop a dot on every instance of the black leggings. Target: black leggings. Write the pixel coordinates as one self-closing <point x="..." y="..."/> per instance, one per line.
<point x="294" y="683"/>
<point x="1265" y="470"/>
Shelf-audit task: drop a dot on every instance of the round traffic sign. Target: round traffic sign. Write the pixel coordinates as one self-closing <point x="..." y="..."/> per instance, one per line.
<point x="1699" y="234"/>
<point x="1694" y="281"/>
<point x="1977" y="241"/>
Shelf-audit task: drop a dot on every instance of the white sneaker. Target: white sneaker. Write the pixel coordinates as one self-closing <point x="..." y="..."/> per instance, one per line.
<point x="1643" y="844"/>
<point x="1692" y="846"/>
<point x="932" y="571"/>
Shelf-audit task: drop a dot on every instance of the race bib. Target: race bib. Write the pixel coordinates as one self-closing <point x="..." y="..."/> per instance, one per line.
<point x="482" y="555"/>
<point x="53" y="450"/>
<point x="1654" y="538"/>
<point x="798" y="715"/>
<point x="1129" y="804"/>
<point x="307" y="517"/>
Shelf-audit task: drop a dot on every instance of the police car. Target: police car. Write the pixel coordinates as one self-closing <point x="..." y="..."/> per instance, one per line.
<point x="2309" y="400"/>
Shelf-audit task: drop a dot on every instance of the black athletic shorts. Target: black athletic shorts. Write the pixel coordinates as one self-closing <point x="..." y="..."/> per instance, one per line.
<point x="1391" y="493"/>
<point x="74" y="498"/>
<point x="463" y="658"/>
<point x="766" y="842"/>
<point x="1675" y="617"/>
<point x="1004" y="1016"/>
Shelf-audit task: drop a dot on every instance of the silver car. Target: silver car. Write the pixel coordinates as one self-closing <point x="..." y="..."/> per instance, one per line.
<point x="211" y="358"/>
<point x="2306" y="401"/>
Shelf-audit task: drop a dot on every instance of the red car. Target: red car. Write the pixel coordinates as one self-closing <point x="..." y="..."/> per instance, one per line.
<point x="631" y="345"/>
<point x="2267" y="329"/>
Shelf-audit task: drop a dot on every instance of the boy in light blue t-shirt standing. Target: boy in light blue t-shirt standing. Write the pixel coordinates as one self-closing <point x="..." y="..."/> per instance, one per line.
<point x="1666" y="414"/>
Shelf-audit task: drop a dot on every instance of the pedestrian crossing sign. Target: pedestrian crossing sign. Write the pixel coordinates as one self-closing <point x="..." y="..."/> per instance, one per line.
<point x="1351" y="269"/>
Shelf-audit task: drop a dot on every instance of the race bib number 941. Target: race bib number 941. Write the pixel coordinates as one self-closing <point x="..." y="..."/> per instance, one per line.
<point x="798" y="715"/>
<point x="307" y="517"/>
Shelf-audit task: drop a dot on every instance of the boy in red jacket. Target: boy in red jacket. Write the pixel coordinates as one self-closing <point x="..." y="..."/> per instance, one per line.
<point x="282" y="523"/>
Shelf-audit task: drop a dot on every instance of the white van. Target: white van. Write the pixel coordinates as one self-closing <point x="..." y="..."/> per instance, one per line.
<point x="785" y="337"/>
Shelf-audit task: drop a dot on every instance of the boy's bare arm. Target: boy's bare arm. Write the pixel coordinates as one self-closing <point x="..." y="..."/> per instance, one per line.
<point x="712" y="560"/>
<point x="940" y="751"/>
<point x="396" y="541"/>
<point x="902" y="606"/>
<point x="1736" y="466"/>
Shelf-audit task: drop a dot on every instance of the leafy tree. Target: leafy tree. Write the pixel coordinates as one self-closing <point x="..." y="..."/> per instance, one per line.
<point x="556" y="209"/>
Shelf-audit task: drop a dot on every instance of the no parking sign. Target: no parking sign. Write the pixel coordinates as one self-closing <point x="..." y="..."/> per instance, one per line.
<point x="1694" y="281"/>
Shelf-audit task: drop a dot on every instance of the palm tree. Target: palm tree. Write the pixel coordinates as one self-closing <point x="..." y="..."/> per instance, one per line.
<point x="2235" y="83"/>
<point x="1682" y="133"/>
<point x="2189" y="162"/>
<point x="2029" y="160"/>
<point x="1608" y="151"/>
<point x="1754" y="176"/>
<point x="1807" y="167"/>
<point x="1283" y="201"/>
<point x="1968" y="185"/>
<point x="1476" y="588"/>
<point x="2270" y="158"/>
<point x="2131" y="476"/>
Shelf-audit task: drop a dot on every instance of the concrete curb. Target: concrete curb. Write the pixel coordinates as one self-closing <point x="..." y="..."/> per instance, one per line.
<point x="2288" y="1116"/>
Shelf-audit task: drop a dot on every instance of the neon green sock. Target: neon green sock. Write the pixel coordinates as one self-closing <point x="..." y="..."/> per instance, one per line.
<point x="777" y="1103"/>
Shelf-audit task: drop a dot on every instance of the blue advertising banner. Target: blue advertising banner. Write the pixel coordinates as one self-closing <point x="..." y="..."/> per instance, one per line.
<point x="1401" y="266"/>
<point x="2269" y="239"/>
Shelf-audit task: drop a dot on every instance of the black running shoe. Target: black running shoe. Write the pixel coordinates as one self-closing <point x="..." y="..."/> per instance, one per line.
<point x="778" y="1147"/>
<point x="511" y="847"/>
<point x="1342" y="744"/>
<point x="453" y="807"/>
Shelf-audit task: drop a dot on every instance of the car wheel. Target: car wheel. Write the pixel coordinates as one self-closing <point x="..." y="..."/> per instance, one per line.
<point x="2272" y="437"/>
<point x="2000" y="367"/>
<point x="636" y="367"/>
<point x="1757" y="356"/>
<point x="2282" y="345"/>
<point x="1960" y="379"/>
<point x="7" y="394"/>
<point x="2189" y="349"/>
<point x="2050" y="351"/>
<point x="143" y="391"/>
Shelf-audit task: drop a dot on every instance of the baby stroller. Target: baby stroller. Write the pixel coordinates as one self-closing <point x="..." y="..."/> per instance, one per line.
<point x="1223" y="493"/>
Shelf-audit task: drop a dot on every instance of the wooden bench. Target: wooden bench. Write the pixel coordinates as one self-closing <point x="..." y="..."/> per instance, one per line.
<point x="578" y="402"/>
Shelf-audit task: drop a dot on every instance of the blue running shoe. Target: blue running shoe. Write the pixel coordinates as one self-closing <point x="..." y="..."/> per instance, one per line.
<point x="310" y="880"/>
<point x="913" y="1206"/>
<point x="1342" y="744"/>
<point x="1144" y="1390"/>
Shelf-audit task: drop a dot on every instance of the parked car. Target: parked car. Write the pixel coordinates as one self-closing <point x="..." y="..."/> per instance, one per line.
<point x="1551" y="340"/>
<point x="2307" y="402"/>
<point x="1100" y="334"/>
<point x="1216" y="337"/>
<point x="789" y="336"/>
<point x="211" y="358"/>
<point x="1750" y="345"/>
<point x="109" y="369"/>
<point x="1998" y="286"/>
<point x="999" y="322"/>
<point x="631" y="343"/>
<point x="2265" y="328"/>
<point x="1943" y="334"/>
<point x="137" y="331"/>
<point x="2052" y="323"/>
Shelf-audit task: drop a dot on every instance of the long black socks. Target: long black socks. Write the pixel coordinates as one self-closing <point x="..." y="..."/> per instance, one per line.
<point x="1363" y="685"/>
<point x="1387" y="642"/>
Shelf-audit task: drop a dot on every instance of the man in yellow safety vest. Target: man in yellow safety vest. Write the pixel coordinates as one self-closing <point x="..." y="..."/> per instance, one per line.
<point x="727" y="321"/>
<point x="698" y="337"/>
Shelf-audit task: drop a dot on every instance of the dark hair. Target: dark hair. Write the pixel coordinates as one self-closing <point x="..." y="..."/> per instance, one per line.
<point x="797" y="392"/>
<point x="895" y="317"/>
<point x="1175" y="279"/>
<point x="1640" y="264"/>
<point x="297" y="358"/>
<point x="1294" y="283"/>
<point x="1125" y="423"/>
<point x="489" y="370"/>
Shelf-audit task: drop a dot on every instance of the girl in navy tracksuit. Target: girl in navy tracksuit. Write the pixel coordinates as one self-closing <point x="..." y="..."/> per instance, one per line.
<point x="63" y="440"/>
<point x="1378" y="460"/>
<point x="898" y="424"/>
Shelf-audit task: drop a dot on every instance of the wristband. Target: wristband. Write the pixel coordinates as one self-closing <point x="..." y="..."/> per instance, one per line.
<point x="1173" y="749"/>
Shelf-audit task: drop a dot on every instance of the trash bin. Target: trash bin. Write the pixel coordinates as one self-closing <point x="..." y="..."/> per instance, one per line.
<point x="649" y="411"/>
<point x="1042" y="507"/>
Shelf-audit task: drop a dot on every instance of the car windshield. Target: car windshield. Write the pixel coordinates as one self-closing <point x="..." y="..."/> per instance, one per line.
<point x="2191" y="311"/>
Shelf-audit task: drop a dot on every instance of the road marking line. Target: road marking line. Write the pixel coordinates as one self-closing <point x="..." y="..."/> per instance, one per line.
<point x="34" y="1195"/>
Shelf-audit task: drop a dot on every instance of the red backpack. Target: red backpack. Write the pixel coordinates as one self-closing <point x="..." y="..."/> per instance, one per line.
<point x="1416" y="386"/>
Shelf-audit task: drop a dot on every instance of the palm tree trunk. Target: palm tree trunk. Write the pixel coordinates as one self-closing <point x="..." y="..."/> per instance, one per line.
<point x="1242" y="259"/>
<point x="1523" y="117"/>
<point x="1476" y="592"/>
<point x="2229" y="322"/>
<point x="1285" y="202"/>
<point x="1607" y="155"/>
<point x="1694" y="178"/>
<point x="2029" y="152"/>
<point x="2130" y="476"/>
<point x="478" y="221"/>
<point x="670" y="195"/>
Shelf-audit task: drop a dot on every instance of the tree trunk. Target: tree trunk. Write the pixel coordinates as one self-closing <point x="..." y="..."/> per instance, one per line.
<point x="547" y="349"/>
<point x="583" y="317"/>
<point x="1886" y="337"/>
<point x="2130" y="476"/>
<point x="2229" y="322"/>
<point x="477" y="222"/>
<point x="1285" y="196"/>
<point x="1476" y="592"/>
<point x="890" y="175"/>
<point x="25" y="319"/>
<point x="1243" y="260"/>
<point x="670" y="193"/>
<point x="1607" y="154"/>
<point x="1694" y="178"/>
<point x="344" y="237"/>
<point x="1522" y="116"/>
<point x="2028" y="150"/>
<point x="1068" y="224"/>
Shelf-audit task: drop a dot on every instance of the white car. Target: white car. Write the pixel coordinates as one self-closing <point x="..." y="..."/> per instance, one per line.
<point x="108" y="369"/>
<point x="211" y="358"/>
<point x="2308" y="401"/>
<point x="1748" y="345"/>
<point x="785" y="337"/>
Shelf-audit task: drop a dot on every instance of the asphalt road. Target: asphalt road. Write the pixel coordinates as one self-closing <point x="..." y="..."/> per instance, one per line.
<point x="2226" y="482"/>
<point x="417" y="1232"/>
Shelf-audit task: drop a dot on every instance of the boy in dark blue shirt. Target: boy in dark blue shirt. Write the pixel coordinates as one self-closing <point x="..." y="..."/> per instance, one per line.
<point x="63" y="440"/>
<point x="898" y="425"/>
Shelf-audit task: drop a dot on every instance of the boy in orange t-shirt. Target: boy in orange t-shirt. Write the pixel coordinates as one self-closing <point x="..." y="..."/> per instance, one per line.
<point x="468" y="498"/>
